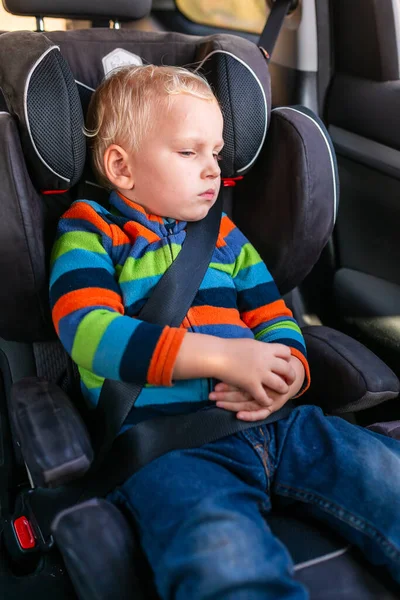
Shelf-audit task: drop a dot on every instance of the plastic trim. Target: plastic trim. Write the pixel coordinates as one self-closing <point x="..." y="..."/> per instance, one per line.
<point x="396" y="18"/>
<point x="28" y="79"/>
<point x="366" y="151"/>
<point x="297" y="44"/>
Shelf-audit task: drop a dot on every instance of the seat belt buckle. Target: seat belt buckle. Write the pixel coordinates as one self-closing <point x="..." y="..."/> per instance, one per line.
<point x="23" y="538"/>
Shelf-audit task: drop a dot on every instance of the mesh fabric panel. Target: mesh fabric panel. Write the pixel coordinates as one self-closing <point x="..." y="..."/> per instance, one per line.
<point x="56" y="119"/>
<point x="244" y="125"/>
<point x="53" y="364"/>
<point x="50" y="360"/>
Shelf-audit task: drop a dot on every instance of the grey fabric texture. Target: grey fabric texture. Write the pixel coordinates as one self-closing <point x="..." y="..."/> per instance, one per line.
<point x="124" y="10"/>
<point x="24" y="293"/>
<point x="389" y="428"/>
<point x="51" y="171"/>
<point x="368" y="108"/>
<point x="50" y="359"/>
<point x="285" y="204"/>
<point x="363" y="295"/>
<point x="345" y="375"/>
<point x="365" y="39"/>
<point x="244" y="130"/>
<point x="59" y="142"/>
<point x="364" y="93"/>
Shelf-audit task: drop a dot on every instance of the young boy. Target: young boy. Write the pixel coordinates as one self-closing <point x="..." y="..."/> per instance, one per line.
<point x="156" y="139"/>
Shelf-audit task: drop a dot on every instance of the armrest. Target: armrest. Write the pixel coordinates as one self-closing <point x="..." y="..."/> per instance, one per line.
<point x="100" y="551"/>
<point x="54" y="441"/>
<point x="345" y="375"/>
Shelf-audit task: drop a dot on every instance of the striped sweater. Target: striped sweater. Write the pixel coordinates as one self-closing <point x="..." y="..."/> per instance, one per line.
<point x="104" y="266"/>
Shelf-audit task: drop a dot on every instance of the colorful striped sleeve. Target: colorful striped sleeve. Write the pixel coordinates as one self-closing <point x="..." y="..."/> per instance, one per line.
<point x="88" y="311"/>
<point x="260" y="304"/>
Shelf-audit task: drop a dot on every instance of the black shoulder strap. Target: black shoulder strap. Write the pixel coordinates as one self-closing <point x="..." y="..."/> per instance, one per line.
<point x="168" y="305"/>
<point x="273" y="25"/>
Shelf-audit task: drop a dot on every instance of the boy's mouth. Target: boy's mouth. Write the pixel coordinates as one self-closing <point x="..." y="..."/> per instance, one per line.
<point x="208" y="194"/>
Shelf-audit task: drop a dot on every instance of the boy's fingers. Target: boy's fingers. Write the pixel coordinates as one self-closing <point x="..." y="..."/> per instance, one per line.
<point x="225" y="387"/>
<point x="238" y="406"/>
<point x="283" y="368"/>
<point x="255" y="415"/>
<point x="276" y="383"/>
<point x="260" y="396"/>
<point x="282" y="351"/>
<point x="235" y="396"/>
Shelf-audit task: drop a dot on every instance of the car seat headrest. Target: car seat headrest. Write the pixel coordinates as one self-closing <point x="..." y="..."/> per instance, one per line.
<point x="123" y="10"/>
<point x="41" y="94"/>
<point x="237" y="87"/>
<point x="236" y="69"/>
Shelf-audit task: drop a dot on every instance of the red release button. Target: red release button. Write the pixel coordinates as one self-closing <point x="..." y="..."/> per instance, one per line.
<point x="24" y="533"/>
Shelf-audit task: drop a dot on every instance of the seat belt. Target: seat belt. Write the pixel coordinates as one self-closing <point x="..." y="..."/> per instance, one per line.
<point x="272" y="27"/>
<point x="168" y="304"/>
<point x="148" y="440"/>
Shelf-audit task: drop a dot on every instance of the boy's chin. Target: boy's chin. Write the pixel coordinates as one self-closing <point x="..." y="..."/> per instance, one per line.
<point x="200" y="213"/>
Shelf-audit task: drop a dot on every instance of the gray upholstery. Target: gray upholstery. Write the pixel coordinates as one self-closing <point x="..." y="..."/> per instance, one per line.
<point x="365" y="89"/>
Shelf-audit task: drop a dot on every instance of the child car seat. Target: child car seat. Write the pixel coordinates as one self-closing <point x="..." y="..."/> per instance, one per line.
<point x="43" y="154"/>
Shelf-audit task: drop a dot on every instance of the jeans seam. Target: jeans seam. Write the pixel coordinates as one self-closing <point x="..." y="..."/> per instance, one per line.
<point x="343" y="515"/>
<point x="262" y="450"/>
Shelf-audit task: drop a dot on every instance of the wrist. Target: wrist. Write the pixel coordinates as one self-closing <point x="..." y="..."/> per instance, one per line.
<point x="300" y="376"/>
<point x="200" y="355"/>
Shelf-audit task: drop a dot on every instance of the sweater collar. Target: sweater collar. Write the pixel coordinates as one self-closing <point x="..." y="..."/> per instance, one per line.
<point x="135" y="212"/>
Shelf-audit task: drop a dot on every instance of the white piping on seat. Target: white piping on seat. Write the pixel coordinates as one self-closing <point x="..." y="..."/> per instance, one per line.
<point x="321" y="559"/>
<point x="39" y="60"/>
<point x="335" y="203"/>
<point x="84" y="85"/>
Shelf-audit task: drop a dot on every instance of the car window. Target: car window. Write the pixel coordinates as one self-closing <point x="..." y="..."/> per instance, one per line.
<point x="226" y="14"/>
<point x="10" y="22"/>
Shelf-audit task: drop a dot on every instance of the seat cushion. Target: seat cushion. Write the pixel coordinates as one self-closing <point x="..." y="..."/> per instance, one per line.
<point x="326" y="564"/>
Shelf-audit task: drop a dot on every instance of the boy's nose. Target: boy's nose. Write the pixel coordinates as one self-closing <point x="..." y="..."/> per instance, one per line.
<point x="212" y="170"/>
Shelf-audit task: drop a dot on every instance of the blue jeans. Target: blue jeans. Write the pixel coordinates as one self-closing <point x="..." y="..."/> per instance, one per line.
<point x="200" y="513"/>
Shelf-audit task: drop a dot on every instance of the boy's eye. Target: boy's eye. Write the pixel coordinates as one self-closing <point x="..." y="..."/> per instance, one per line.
<point x="186" y="153"/>
<point x="218" y="156"/>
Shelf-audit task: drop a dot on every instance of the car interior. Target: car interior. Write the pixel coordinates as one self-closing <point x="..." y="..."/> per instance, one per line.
<point x="308" y="91"/>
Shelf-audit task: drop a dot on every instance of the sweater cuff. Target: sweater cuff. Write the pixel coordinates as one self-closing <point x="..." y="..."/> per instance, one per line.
<point x="164" y="356"/>
<point x="307" y="377"/>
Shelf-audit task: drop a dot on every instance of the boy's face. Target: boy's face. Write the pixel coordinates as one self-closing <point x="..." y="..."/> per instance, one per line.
<point x="175" y="171"/>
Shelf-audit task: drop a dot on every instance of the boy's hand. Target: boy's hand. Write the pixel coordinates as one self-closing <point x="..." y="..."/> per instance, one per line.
<point x="266" y="372"/>
<point x="236" y="400"/>
<point x="230" y="397"/>
<point x="256" y="367"/>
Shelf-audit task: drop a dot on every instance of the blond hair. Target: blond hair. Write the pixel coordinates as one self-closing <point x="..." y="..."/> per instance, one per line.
<point x="122" y="108"/>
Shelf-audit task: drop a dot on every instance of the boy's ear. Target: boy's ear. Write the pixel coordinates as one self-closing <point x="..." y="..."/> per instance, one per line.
<point x="117" y="167"/>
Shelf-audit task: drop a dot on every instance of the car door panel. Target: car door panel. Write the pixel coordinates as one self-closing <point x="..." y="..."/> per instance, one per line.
<point x="364" y="122"/>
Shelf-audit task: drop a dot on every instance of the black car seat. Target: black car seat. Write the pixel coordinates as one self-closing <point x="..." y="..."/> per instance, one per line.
<point x="43" y="169"/>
